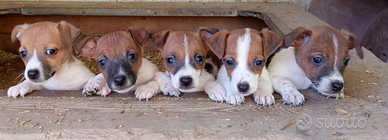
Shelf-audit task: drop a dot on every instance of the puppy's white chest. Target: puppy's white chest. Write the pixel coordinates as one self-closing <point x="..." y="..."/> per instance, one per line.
<point x="71" y="76"/>
<point x="284" y="64"/>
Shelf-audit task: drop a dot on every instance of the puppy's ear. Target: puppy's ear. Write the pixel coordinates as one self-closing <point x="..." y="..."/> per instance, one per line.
<point x="354" y="43"/>
<point x="297" y="37"/>
<point x="16" y="32"/>
<point x="68" y="33"/>
<point x="140" y="37"/>
<point x="217" y="43"/>
<point x="271" y="42"/>
<point x="85" y="46"/>
<point x="206" y="33"/>
<point x="159" y="39"/>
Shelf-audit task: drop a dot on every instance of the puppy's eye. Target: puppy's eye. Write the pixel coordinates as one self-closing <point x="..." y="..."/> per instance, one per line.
<point x="170" y="60"/>
<point x="199" y="58"/>
<point x="51" y="51"/>
<point x="23" y="54"/>
<point x="258" y="63"/>
<point x="346" y="62"/>
<point x="317" y="60"/>
<point x="101" y="62"/>
<point x="229" y="62"/>
<point x="132" y="57"/>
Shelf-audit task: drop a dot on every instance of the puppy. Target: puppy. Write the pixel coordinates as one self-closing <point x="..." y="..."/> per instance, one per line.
<point x="119" y="57"/>
<point x="46" y="50"/>
<point x="244" y="53"/>
<point x="316" y="58"/>
<point x="186" y="61"/>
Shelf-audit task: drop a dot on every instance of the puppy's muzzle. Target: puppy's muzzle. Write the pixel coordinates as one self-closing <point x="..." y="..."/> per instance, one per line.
<point x="243" y="87"/>
<point x="337" y="86"/>
<point x="119" y="80"/>
<point x="186" y="80"/>
<point x="33" y="74"/>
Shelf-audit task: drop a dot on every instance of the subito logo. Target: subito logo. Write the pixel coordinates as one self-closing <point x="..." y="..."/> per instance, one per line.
<point x="304" y="121"/>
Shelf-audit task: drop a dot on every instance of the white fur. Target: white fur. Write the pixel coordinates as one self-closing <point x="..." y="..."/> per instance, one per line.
<point x="287" y="76"/>
<point x="70" y="76"/>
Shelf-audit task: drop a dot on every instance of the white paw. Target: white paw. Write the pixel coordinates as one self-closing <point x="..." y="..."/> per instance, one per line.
<point x="264" y="99"/>
<point x="234" y="99"/>
<point x="293" y="98"/>
<point x="20" y="89"/>
<point x="215" y="91"/>
<point x="104" y="91"/>
<point x="93" y="87"/>
<point x="169" y="90"/>
<point x="146" y="91"/>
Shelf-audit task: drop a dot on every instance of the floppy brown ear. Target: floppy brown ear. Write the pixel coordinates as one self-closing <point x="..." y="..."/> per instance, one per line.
<point x="271" y="42"/>
<point x="354" y="43"/>
<point x="297" y="37"/>
<point x="85" y="46"/>
<point x="140" y="37"/>
<point x="217" y="43"/>
<point x="206" y="33"/>
<point x="17" y="30"/>
<point x="159" y="39"/>
<point x="68" y="33"/>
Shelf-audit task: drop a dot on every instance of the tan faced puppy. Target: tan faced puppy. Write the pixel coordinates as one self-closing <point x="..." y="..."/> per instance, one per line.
<point x="185" y="60"/>
<point x="317" y="58"/>
<point x="119" y="56"/>
<point x="46" y="50"/>
<point x="244" y="53"/>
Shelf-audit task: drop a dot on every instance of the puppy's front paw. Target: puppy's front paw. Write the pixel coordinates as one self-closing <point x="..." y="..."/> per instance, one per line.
<point x="93" y="87"/>
<point x="215" y="91"/>
<point x="234" y="99"/>
<point x="169" y="90"/>
<point x="104" y="91"/>
<point x="146" y="91"/>
<point x="293" y="98"/>
<point x="264" y="98"/>
<point x="20" y="89"/>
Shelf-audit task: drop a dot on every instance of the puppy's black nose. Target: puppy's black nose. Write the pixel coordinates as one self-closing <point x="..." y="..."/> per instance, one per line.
<point x="186" y="81"/>
<point x="33" y="74"/>
<point x="337" y="86"/>
<point x="243" y="87"/>
<point x="119" y="80"/>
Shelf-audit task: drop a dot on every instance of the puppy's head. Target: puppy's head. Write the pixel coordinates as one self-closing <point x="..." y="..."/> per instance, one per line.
<point x="184" y="55"/>
<point x="119" y="56"/>
<point x="44" y="47"/>
<point x="322" y="53"/>
<point x="244" y="53"/>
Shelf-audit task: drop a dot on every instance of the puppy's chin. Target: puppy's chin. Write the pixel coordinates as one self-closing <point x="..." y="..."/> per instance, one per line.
<point x="37" y="81"/>
<point x="328" y="92"/>
<point x="123" y="90"/>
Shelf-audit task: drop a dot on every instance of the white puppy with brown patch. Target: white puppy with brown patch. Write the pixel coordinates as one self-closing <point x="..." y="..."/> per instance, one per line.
<point x="46" y="49"/>
<point x="244" y="53"/>
<point x="316" y="58"/>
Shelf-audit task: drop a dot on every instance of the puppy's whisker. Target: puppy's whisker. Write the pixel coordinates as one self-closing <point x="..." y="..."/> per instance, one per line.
<point x="21" y="73"/>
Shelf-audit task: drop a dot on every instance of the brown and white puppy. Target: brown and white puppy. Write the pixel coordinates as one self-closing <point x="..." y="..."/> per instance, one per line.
<point x="185" y="59"/>
<point x="46" y="50"/>
<point x="316" y="58"/>
<point x="119" y="57"/>
<point x="244" y="53"/>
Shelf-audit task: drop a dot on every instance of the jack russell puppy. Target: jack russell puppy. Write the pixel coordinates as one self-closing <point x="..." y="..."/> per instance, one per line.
<point x="119" y="57"/>
<point x="188" y="65"/>
<point x="316" y="58"/>
<point x="244" y="53"/>
<point x="46" y="49"/>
